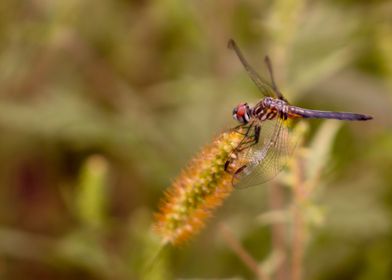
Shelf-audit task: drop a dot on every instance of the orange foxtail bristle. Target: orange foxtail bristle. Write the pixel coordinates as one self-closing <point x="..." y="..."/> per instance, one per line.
<point x="200" y="188"/>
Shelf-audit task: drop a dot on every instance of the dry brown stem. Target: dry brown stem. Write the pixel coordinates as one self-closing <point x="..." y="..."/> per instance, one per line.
<point x="241" y="252"/>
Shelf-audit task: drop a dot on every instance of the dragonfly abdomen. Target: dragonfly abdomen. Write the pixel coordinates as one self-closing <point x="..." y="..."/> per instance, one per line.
<point x="315" y="114"/>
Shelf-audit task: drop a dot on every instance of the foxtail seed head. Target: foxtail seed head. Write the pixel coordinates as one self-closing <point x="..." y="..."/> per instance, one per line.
<point x="199" y="189"/>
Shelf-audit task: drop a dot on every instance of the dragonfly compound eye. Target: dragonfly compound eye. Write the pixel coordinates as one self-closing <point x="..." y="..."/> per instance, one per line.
<point x="241" y="113"/>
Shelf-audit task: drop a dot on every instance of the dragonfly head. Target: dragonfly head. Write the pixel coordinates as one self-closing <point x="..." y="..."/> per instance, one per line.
<point x="242" y="113"/>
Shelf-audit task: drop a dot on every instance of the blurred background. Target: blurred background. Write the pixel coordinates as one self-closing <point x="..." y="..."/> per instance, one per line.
<point x="102" y="104"/>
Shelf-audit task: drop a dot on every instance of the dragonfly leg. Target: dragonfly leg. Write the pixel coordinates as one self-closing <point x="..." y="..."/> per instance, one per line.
<point x="253" y="140"/>
<point x="227" y="164"/>
<point x="241" y="127"/>
<point x="246" y="145"/>
<point x="239" y="170"/>
<point x="249" y="141"/>
<point x="235" y="174"/>
<point x="257" y="134"/>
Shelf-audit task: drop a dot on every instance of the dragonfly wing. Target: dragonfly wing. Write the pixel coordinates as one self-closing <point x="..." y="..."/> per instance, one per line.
<point x="265" y="88"/>
<point x="263" y="161"/>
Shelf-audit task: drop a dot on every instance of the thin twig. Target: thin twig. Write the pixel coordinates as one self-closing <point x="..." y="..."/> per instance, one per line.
<point x="240" y="251"/>
<point x="278" y="240"/>
<point x="298" y="242"/>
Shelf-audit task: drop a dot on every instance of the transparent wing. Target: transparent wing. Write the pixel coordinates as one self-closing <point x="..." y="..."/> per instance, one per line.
<point x="263" y="161"/>
<point x="265" y="88"/>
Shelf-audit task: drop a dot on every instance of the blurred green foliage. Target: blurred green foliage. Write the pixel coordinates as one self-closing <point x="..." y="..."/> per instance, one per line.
<point x="102" y="104"/>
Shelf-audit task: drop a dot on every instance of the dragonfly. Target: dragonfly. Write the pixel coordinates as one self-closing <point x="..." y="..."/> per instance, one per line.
<point x="267" y="144"/>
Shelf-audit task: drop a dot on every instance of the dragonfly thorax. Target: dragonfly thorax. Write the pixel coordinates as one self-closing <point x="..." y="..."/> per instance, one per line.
<point x="274" y="103"/>
<point x="269" y="108"/>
